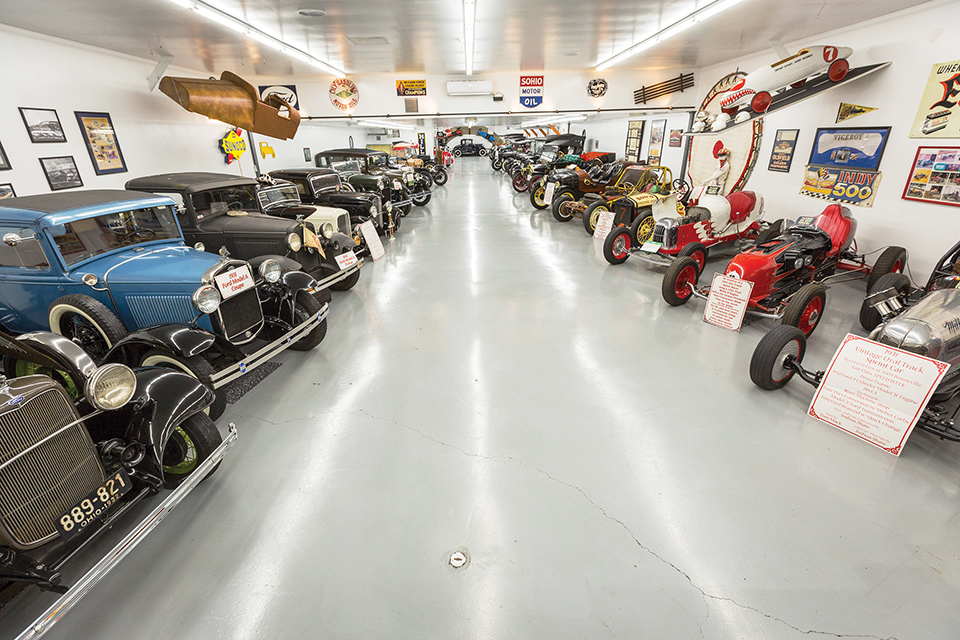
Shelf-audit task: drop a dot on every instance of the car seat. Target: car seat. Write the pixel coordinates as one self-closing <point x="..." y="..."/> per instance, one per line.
<point x="741" y="205"/>
<point x="608" y="172"/>
<point x="837" y="222"/>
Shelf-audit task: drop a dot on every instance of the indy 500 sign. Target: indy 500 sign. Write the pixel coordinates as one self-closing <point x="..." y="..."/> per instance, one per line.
<point x="531" y="91"/>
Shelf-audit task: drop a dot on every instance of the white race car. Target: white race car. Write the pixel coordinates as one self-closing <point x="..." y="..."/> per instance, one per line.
<point x="754" y="91"/>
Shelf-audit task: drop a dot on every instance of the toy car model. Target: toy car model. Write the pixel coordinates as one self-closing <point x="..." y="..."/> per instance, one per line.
<point x="789" y="271"/>
<point x="401" y="186"/>
<point x="468" y="148"/>
<point x="325" y="188"/>
<point x="568" y="188"/>
<point x="708" y="219"/>
<point x="80" y="450"/>
<point x="95" y="265"/>
<point x="219" y="210"/>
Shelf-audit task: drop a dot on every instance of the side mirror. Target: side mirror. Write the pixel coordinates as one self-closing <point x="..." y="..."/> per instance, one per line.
<point x="12" y="239"/>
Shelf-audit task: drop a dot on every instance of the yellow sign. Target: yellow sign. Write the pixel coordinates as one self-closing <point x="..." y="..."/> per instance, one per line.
<point x="232" y="145"/>
<point x="407" y="88"/>
<point x="848" y="111"/>
<point x="267" y="150"/>
<point x="939" y="113"/>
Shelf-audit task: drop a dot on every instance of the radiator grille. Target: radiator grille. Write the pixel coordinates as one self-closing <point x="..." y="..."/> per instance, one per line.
<point x="151" y="310"/>
<point x="659" y="232"/>
<point x="247" y="249"/>
<point x="37" y="487"/>
<point x="240" y="314"/>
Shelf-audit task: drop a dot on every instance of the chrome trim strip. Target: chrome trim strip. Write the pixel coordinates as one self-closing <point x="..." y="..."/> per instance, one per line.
<point x="338" y="276"/>
<point x="83" y="586"/>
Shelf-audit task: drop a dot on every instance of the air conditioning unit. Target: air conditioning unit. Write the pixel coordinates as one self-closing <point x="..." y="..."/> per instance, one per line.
<point x="469" y="87"/>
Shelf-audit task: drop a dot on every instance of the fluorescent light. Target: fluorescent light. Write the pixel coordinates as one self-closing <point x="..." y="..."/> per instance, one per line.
<point x="469" y="23"/>
<point x="245" y="28"/>
<point x="683" y="24"/>
<point x="376" y="124"/>
<point x="576" y="117"/>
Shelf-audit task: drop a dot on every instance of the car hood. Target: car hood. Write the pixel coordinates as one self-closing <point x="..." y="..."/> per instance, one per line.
<point x="253" y="223"/>
<point x="154" y="266"/>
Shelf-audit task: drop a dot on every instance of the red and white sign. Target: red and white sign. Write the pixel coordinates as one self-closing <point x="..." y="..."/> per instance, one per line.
<point x="548" y="192"/>
<point x="727" y="301"/>
<point x="373" y="240"/>
<point x="604" y="226"/>
<point x="531" y="91"/>
<point x="344" y="94"/>
<point x="346" y="260"/>
<point x="876" y="392"/>
<point x="235" y="281"/>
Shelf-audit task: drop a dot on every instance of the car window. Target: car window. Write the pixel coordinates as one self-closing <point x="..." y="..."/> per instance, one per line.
<point x="350" y="166"/>
<point x="76" y="241"/>
<point x="301" y="186"/>
<point x="380" y="161"/>
<point x="21" y="248"/>
<point x="280" y="195"/>
<point x="216" y="202"/>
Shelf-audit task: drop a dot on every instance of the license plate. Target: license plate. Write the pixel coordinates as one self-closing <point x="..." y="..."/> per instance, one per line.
<point x="346" y="260"/>
<point x="235" y="281"/>
<point x="651" y="247"/>
<point x="97" y="503"/>
<point x="548" y="192"/>
<point x="397" y="185"/>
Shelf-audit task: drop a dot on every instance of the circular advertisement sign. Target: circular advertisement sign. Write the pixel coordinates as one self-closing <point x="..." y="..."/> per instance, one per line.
<point x="344" y="94"/>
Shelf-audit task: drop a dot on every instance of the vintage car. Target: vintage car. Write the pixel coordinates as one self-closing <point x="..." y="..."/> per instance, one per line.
<point x="789" y="271"/>
<point x="468" y="148"/>
<point x="219" y="210"/>
<point x="400" y="186"/>
<point x="568" y="187"/>
<point x="82" y="446"/>
<point x="95" y="265"/>
<point x="708" y="219"/>
<point x="407" y="153"/>
<point x="326" y="188"/>
<point x="643" y="193"/>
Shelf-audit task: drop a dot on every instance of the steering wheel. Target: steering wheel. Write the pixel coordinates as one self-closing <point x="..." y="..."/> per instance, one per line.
<point x="136" y="232"/>
<point x="234" y="205"/>
<point x="682" y="188"/>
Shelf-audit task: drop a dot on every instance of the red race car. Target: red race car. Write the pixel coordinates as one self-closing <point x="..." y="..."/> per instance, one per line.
<point x="789" y="272"/>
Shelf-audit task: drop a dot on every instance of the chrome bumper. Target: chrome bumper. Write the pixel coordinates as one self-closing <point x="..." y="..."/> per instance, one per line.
<point x="254" y="360"/>
<point x="83" y="586"/>
<point x="343" y="274"/>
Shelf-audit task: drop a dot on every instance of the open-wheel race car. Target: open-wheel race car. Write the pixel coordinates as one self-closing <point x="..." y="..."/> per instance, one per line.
<point x="709" y="219"/>
<point x="789" y="271"/>
<point x="640" y="191"/>
<point x="576" y="188"/>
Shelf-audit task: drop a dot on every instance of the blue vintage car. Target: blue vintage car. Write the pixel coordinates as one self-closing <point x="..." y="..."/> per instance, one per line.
<point x="96" y="265"/>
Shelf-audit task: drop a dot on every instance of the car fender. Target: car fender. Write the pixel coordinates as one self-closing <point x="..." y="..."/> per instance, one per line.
<point x="179" y="339"/>
<point x="287" y="264"/>
<point x="49" y="350"/>
<point x="296" y="281"/>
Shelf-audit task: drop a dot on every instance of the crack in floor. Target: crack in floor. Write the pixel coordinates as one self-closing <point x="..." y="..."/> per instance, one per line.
<point x="704" y="594"/>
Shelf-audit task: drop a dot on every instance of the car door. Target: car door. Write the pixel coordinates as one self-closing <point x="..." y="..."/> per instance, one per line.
<point x="28" y="282"/>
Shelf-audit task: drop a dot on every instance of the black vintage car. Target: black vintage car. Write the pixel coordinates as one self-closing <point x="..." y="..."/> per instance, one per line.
<point x="220" y="210"/>
<point x="401" y="186"/>
<point x="468" y="148"/>
<point x="325" y="188"/>
<point x="81" y="445"/>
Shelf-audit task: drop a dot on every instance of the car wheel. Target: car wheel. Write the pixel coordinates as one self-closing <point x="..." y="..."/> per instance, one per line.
<point x="347" y="283"/>
<point x="483" y="152"/>
<point x="457" y="153"/>
<point x="558" y="201"/>
<point x="696" y="251"/>
<point x="869" y="317"/>
<point x="497" y="165"/>
<point x="537" y="191"/>
<point x="196" y="366"/>
<point x="192" y="441"/>
<point x="771" y="232"/>
<point x="520" y="183"/>
<point x="616" y="246"/>
<point x="440" y="177"/>
<point x="422" y="197"/>
<point x="892" y="260"/>
<point x="838" y="70"/>
<point x="642" y="228"/>
<point x="768" y="368"/>
<point x="679" y="280"/>
<point x="761" y="102"/>
<point x="592" y="216"/>
<point x="805" y="308"/>
<point x="87" y="322"/>
<point x="305" y="307"/>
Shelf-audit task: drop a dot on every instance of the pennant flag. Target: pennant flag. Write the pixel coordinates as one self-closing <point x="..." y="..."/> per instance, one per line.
<point x="848" y="111"/>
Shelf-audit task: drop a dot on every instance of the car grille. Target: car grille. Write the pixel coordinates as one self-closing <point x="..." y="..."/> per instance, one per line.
<point x="241" y="315"/>
<point x="659" y="232"/>
<point x="36" y="488"/>
<point x="148" y="311"/>
<point x="247" y="249"/>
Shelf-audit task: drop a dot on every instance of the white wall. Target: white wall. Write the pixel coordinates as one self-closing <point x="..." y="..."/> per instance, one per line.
<point x="913" y="40"/>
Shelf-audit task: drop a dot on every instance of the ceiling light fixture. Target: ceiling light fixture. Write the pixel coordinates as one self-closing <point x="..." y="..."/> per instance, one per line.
<point x="469" y="22"/>
<point x="376" y="124"/>
<point x="576" y="117"/>
<point x="245" y="28"/>
<point x="683" y="24"/>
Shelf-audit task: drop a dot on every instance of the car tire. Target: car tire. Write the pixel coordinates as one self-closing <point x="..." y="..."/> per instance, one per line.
<point x="537" y="189"/>
<point x="496" y="165"/>
<point x="483" y="152"/>
<point x="304" y="307"/>
<point x="616" y="246"/>
<point x="558" y="201"/>
<point x="761" y="102"/>
<point x="771" y="232"/>
<point x="520" y="183"/>
<point x="838" y="70"/>
<point x="766" y="364"/>
<point x="457" y="153"/>
<point x="440" y="177"/>
<point x="196" y="366"/>
<point x="86" y="321"/>
<point x="422" y="198"/>
<point x="680" y="276"/>
<point x="892" y="260"/>
<point x="592" y="216"/>
<point x="698" y="252"/>
<point x="192" y="441"/>
<point x="806" y="307"/>
<point x="642" y="228"/>
<point x="869" y="317"/>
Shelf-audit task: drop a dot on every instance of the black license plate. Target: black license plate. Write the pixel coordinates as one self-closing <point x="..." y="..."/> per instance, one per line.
<point x="95" y="505"/>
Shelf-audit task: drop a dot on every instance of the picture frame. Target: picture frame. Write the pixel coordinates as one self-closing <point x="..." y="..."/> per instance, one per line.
<point x="101" y="141"/>
<point x="43" y="125"/>
<point x="784" y="146"/>
<point x="854" y="148"/>
<point x="61" y="172"/>
<point x="655" y="148"/>
<point x="934" y="176"/>
<point x="6" y="191"/>
<point x="4" y="161"/>
<point x="306" y="154"/>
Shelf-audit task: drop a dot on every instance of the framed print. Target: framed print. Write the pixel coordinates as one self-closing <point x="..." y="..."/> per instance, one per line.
<point x="61" y="172"/>
<point x="676" y="138"/>
<point x="934" y="176"/>
<point x="306" y="154"/>
<point x="4" y="161"/>
<point x="781" y="156"/>
<point x="43" y="125"/>
<point x="634" y="136"/>
<point x="6" y="191"/>
<point x="657" y="130"/>
<point x="101" y="141"/>
<point x="849" y="147"/>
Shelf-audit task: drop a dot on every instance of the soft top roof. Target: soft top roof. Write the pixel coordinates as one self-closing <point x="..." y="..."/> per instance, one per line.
<point x="353" y="152"/>
<point x="563" y="138"/>
<point x="303" y="172"/>
<point x="188" y="181"/>
<point x="35" y="207"/>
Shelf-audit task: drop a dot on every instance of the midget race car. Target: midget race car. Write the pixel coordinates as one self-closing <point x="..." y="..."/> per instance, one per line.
<point x="789" y="271"/>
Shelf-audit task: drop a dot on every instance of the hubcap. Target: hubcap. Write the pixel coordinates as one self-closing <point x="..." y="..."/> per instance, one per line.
<point x="684" y="285"/>
<point x="621" y="245"/>
<point x="780" y="370"/>
<point x="811" y="315"/>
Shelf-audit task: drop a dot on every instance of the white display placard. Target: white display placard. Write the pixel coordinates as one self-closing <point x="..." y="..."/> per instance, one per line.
<point x="234" y="281"/>
<point x="346" y="260"/>
<point x="876" y="392"/>
<point x="727" y="301"/>
<point x="604" y="226"/>
<point x="373" y="240"/>
<point x="548" y="192"/>
<point x="651" y="247"/>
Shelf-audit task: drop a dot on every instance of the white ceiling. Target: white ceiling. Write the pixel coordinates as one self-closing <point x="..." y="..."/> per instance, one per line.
<point x="426" y="35"/>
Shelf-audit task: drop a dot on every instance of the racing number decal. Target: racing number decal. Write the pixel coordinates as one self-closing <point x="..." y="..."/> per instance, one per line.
<point x="830" y="54"/>
<point x="853" y="191"/>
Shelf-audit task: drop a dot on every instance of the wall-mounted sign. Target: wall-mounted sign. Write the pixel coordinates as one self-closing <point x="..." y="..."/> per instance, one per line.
<point x="422" y="142"/>
<point x="847" y="111"/>
<point x="676" y="138"/>
<point x="233" y="145"/>
<point x="657" y="129"/>
<point x="531" y="91"/>
<point x="407" y="88"/>
<point x="344" y="94"/>
<point x="937" y="116"/>
<point x="846" y="186"/>
<point x="597" y="88"/>
<point x="935" y="176"/>
<point x="781" y="156"/>
<point x="286" y="92"/>
<point x="849" y="148"/>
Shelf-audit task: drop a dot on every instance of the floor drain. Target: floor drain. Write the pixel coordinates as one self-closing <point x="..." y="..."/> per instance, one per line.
<point x="458" y="559"/>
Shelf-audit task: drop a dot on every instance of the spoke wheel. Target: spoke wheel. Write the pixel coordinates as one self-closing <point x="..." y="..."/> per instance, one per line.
<point x="805" y="309"/>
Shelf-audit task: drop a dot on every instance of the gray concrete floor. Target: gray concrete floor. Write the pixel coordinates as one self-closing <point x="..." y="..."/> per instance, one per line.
<point x="493" y="387"/>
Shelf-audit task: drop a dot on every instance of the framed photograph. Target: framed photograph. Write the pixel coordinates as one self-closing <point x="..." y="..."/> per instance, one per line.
<point x="61" y="172"/>
<point x="657" y="130"/>
<point x="101" y="141"/>
<point x="676" y="138"/>
<point x="4" y="161"/>
<point x="849" y="148"/>
<point x="306" y="154"/>
<point x="6" y="191"/>
<point x="781" y="156"/>
<point x="934" y="176"/>
<point x="43" y="125"/>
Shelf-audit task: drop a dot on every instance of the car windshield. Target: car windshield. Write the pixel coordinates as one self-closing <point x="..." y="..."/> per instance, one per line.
<point x="548" y="153"/>
<point x="347" y="166"/>
<point x="380" y="160"/>
<point x="76" y="241"/>
<point x="329" y="182"/>
<point x="278" y="196"/>
<point x="216" y="202"/>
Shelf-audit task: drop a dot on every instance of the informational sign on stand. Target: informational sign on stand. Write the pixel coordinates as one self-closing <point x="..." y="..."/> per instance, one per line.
<point x="727" y="302"/>
<point x="373" y="240"/>
<point x="346" y="260"/>
<point x="604" y="226"/>
<point x="876" y="392"/>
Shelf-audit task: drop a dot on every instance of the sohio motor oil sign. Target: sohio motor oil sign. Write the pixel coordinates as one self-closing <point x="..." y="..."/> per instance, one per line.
<point x="531" y="91"/>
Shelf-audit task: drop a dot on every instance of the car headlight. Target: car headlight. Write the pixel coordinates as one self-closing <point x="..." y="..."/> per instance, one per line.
<point x="381" y="183"/>
<point x="270" y="270"/>
<point x="110" y="387"/>
<point x="373" y="210"/>
<point x="798" y="263"/>
<point x="389" y="207"/>
<point x="294" y="242"/>
<point x="206" y="299"/>
<point x="327" y="230"/>
<point x="200" y="246"/>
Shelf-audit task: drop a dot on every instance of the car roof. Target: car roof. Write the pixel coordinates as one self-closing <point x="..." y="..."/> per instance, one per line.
<point x="188" y="181"/>
<point x="32" y="208"/>
<point x="352" y="152"/>
<point x="302" y="172"/>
